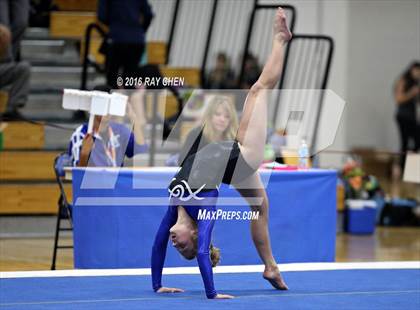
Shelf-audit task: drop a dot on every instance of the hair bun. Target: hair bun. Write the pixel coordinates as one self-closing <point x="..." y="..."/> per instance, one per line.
<point x="214" y="255"/>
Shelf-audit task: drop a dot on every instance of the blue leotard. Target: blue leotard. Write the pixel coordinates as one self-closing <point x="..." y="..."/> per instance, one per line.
<point x="205" y="228"/>
<point x="200" y="175"/>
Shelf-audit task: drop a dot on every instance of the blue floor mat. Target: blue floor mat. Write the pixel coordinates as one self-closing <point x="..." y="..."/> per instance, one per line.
<point x="336" y="289"/>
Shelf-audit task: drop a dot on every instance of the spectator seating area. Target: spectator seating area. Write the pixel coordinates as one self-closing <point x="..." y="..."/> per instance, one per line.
<point x="26" y="161"/>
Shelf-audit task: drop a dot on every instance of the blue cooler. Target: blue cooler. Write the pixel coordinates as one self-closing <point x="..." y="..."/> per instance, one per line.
<point x="360" y="216"/>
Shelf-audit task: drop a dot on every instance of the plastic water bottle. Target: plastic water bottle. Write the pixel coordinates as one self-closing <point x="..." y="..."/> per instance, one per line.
<point x="303" y="153"/>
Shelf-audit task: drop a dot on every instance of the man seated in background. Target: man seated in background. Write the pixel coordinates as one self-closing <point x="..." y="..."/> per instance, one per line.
<point x="110" y="141"/>
<point x="14" y="76"/>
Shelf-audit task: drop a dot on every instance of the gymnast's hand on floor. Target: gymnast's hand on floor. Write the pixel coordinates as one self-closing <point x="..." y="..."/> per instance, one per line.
<point x="170" y="290"/>
<point x="280" y="28"/>
<point x="224" y="296"/>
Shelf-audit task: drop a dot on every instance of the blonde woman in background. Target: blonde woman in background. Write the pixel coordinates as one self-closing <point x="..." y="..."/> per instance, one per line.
<point x="220" y="124"/>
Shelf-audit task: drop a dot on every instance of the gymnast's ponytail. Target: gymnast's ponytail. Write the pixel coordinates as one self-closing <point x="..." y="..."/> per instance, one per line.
<point x="214" y="255"/>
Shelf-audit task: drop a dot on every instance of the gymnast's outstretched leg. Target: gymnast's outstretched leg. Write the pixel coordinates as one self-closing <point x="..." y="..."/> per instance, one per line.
<point x="250" y="189"/>
<point x="252" y="136"/>
<point x="252" y="130"/>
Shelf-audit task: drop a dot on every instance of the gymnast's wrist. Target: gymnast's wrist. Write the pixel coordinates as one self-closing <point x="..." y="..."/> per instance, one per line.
<point x="157" y="287"/>
<point x="211" y="295"/>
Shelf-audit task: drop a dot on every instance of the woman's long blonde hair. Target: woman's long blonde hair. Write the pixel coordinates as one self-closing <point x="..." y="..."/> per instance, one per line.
<point x="227" y="103"/>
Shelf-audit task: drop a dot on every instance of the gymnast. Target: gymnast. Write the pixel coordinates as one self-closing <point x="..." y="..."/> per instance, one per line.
<point x="231" y="162"/>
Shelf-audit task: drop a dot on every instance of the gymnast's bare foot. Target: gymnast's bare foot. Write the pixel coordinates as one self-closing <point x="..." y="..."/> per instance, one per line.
<point x="280" y="28"/>
<point x="273" y="276"/>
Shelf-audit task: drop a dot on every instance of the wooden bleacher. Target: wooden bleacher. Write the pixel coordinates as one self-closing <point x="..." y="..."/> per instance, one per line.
<point x="76" y="5"/>
<point x="70" y="25"/>
<point x="21" y="135"/>
<point x="156" y="52"/>
<point x="27" y="166"/>
<point x="4" y="98"/>
<point x="30" y="198"/>
<point x="27" y="183"/>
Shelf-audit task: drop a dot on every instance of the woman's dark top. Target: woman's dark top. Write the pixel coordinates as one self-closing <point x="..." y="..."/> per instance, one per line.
<point x="407" y="110"/>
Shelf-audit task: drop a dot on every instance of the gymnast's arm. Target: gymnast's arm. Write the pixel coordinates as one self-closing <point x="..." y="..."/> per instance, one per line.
<point x="205" y="228"/>
<point x="159" y="250"/>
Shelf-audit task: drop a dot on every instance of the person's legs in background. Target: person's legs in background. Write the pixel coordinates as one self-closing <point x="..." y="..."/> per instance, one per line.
<point x="5" y="20"/>
<point x="417" y="136"/>
<point x="19" y="16"/>
<point x="122" y="61"/>
<point x="14" y="76"/>
<point x="113" y="64"/>
<point x="404" y="130"/>
<point x="14" y="14"/>
<point x="131" y="59"/>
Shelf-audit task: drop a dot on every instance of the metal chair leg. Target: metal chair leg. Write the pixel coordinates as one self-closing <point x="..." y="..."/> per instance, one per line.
<point x="57" y="232"/>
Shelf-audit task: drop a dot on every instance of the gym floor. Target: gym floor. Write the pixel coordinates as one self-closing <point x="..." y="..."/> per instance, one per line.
<point x="387" y="244"/>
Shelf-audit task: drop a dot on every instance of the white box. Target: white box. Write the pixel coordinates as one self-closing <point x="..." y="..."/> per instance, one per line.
<point x="70" y="99"/>
<point x="118" y="104"/>
<point x="412" y="168"/>
<point x="100" y="103"/>
<point x="85" y="100"/>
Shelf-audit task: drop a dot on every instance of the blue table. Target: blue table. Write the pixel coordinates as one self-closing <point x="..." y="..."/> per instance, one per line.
<point x="114" y="227"/>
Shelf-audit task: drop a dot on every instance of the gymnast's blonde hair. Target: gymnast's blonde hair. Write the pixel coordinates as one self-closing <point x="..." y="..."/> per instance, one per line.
<point x="214" y="252"/>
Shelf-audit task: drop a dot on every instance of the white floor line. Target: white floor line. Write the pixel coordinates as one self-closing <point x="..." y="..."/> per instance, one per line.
<point x="219" y="269"/>
<point x="196" y="297"/>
